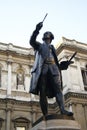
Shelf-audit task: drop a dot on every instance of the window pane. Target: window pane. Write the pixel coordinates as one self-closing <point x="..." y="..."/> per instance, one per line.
<point x="84" y="75"/>
<point x="20" y="128"/>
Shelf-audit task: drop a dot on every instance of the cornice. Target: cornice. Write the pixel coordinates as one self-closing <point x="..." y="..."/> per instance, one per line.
<point x="10" y="49"/>
<point x="15" y="57"/>
<point x="71" y="45"/>
<point x="16" y="54"/>
<point x="18" y="102"/>
<point x="75" y="95"/>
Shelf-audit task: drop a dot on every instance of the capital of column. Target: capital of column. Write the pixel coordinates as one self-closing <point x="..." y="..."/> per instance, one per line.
<point x="9" y="61"/>
<point x="8" y="109"/>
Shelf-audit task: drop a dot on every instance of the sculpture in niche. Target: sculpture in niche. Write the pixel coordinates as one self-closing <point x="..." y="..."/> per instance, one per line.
<point x="20" y="79"/>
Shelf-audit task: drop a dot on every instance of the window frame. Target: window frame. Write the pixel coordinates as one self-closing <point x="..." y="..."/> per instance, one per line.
<point x="84" y="77"/>
<point x="21" y="122"/>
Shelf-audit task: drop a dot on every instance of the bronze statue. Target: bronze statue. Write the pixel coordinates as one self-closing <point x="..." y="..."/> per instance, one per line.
<point x="46" y="72"/>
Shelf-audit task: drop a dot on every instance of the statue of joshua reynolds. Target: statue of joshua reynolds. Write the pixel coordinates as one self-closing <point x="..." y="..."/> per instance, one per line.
<point x="46" y="72"/>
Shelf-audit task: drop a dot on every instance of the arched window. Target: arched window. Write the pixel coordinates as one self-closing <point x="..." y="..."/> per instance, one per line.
<point x="21" y="123"/>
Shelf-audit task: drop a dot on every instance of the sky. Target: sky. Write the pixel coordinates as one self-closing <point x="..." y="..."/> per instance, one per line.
<point x="66" y="18"/>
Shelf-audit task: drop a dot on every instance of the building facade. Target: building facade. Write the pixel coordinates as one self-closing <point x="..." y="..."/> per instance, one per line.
<point x="18" y="108"/>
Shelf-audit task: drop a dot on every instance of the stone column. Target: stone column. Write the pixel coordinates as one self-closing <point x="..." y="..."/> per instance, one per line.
<point x="8" y="120"/>
<point x="9" y="78"/>
<point x="34" y="116"/>
<point x="85" y="111"/>
<point x="70" y="107"/>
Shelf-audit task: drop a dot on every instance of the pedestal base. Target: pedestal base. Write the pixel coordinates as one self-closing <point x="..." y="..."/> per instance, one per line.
<point x="56" y="122"/>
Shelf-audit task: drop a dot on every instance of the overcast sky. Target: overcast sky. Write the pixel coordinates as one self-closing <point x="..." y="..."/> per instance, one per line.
<point x="18" y="19"/>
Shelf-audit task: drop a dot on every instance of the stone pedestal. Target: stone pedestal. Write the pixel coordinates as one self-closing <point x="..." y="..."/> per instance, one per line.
<point x="56" y="122"/>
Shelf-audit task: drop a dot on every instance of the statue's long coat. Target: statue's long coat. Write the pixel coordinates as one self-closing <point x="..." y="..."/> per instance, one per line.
<point x="40" y="56"/>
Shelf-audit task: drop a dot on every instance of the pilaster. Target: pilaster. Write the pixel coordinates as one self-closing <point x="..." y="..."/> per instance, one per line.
<point x="9" y="63"/>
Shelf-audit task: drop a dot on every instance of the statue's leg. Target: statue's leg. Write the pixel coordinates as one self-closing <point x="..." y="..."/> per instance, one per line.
<point x="43" y="98"/>
<point x="59" y="96"/>
<point x="59" y="100"/>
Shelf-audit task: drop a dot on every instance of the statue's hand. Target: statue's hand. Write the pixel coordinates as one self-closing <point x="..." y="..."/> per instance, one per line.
<point x="64" y="64"/>
<point x="39" y="26"/>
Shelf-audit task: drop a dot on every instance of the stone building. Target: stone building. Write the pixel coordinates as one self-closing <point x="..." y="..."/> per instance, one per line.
<point x="18" y="108"/>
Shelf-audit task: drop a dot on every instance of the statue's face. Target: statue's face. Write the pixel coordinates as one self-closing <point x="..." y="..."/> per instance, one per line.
<point x="48" y="40"/>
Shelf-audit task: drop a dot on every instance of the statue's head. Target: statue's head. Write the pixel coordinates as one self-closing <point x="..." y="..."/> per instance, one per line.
<point x="48" y="35"/>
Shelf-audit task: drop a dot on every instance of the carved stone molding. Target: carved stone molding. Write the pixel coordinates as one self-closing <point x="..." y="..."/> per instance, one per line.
<point x="76" y="95"/>
<point x="76" y="98"/>
<point x="17" y="102"/>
